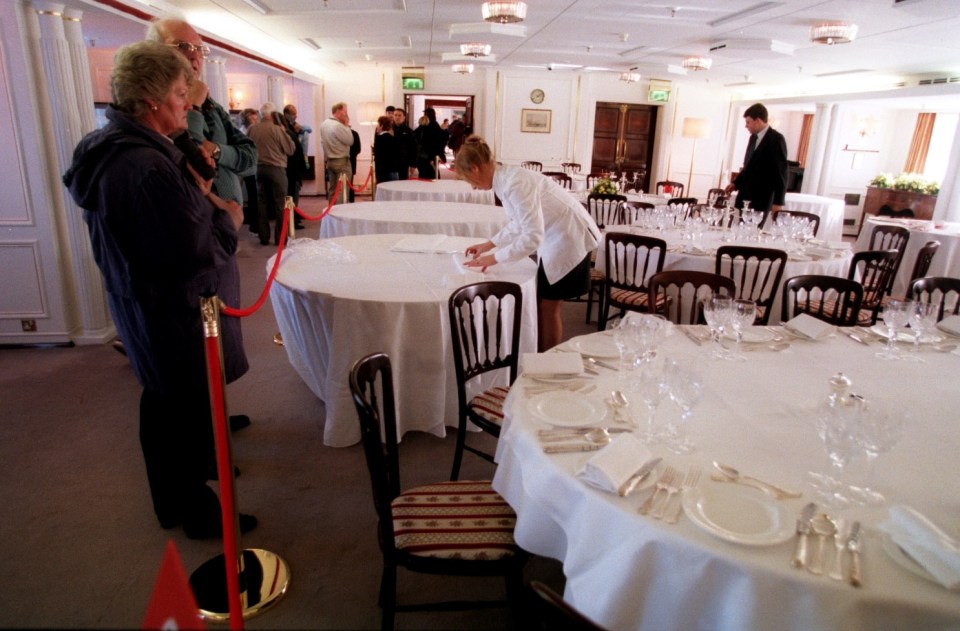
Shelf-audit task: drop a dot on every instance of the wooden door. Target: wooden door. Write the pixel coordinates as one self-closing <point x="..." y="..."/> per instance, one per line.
<point x="623" y="135"/>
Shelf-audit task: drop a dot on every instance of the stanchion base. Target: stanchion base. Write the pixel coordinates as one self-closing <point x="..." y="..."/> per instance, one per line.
<point x="264" y="580"/>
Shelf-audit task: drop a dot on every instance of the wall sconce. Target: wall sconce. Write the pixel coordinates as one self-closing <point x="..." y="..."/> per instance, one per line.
<point x="867" y="126"/>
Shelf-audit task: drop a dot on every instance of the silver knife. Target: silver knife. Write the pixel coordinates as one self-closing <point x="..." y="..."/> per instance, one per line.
<point x="563" y="449"/>
<point x="693" y="338"/>
<point x="856" y="338"/>
<point x="799" y="559"/>
<point x="637" y="477"/>
<point x="853" y="545"/>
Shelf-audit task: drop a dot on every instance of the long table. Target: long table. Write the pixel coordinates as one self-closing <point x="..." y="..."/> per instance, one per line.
<point x="629" y="571"/>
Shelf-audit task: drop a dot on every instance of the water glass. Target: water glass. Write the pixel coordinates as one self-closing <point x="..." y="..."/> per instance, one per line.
<point x="878" y="428"/>
<point x="684" y="383"/>
<point x="743" y="314"/>
<point x="717" y="312"/>
<point x="896" y="313"/>
<point x="923" y="322"/>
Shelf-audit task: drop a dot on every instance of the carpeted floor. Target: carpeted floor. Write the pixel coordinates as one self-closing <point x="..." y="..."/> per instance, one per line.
<point x="78" y="538"/>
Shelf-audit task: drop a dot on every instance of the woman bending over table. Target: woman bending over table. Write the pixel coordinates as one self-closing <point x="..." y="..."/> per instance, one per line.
<point x="543" y="218"/>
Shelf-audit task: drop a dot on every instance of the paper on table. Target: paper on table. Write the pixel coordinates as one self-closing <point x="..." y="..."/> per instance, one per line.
<point x="551" y="364"/>
<point x="809" y="326"/>
<point x="614" y="465"/>
<point x="925" y="543"/>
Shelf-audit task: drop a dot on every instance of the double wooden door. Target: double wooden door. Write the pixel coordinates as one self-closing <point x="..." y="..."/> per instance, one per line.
<point x="623" y="135"/>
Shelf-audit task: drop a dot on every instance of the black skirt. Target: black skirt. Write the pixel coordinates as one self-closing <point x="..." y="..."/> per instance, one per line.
<point x="574" y="284"/>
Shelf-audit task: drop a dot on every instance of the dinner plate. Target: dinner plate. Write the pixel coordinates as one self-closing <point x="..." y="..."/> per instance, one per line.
<point x="567" y="409"/>
<point x="739" y="514"/>
<point x="601" y="346"/>
<point x="904" y="560"/>
<point x="751" y="335"/>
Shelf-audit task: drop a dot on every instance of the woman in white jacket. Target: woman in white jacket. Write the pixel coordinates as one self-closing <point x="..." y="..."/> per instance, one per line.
<point x="544" y="219"/>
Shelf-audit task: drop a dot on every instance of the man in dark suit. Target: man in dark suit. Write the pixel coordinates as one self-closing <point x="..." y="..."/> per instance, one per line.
<point x="763" y="178"/>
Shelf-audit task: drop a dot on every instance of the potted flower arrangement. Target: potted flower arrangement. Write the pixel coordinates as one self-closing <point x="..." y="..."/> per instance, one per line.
<point x="604" y="186"/>
<point x="901" y="193"/>
<point x="910" y="182"/>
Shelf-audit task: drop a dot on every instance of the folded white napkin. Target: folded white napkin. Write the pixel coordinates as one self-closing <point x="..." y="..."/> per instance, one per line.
<point x="929" y="546"/>
<point x="613" y="465"/>
<point x="950" y="324"/>
<point x="808" y="326"/>
<point x="556" y="364"/>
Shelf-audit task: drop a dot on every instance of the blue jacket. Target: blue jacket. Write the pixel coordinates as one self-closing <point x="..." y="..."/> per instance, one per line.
<point x="238" y="154"/>
<point x="160" y="245"/>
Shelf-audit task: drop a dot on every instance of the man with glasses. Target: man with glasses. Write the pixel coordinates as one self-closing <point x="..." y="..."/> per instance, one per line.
<point x="209" y="124"/>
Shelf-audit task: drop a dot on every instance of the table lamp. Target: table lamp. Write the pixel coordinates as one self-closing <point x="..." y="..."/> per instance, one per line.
<point x="695" y="128"/>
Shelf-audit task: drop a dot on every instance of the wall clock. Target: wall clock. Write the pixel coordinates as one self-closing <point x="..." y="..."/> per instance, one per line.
<point x="537" y="96"/>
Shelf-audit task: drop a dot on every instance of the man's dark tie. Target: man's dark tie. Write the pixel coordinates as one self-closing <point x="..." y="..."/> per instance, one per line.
<point x="751" y="147"/>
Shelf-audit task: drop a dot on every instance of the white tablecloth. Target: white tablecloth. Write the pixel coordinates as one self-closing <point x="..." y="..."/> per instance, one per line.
<point x="829" y="210"/>
<point x="337" y="300"/>
<point x="946" y="262"/>
<point x="627" y="571"/>
<point x="679" y="260"/>
<point x="432" y="191"/>
<point x="460" y="219"/>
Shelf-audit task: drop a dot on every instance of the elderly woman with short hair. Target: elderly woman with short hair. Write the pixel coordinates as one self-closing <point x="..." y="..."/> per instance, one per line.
<point x="161" y="240"/>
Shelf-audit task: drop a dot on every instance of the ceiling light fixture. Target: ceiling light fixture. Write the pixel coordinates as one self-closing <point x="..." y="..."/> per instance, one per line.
<point x="504" y="12"/>
<point x="629" y="77"/>
<point x="462" y="68"/>
<point x="475" y="49"/>
<point x="697" y="63"/>
<point x="259" y="6"/>
<point x="831" y="33"/>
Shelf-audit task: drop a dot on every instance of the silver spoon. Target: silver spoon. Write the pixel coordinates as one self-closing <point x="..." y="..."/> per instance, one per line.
<point x="598" y="435"/>
<point x="945" y="348"/>
<point x="619" y="402"/>
<point x="823" y="527"/>
<point x="733" y="475"/>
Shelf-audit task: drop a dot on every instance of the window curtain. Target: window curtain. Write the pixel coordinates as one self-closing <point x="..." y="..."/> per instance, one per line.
<point x="804" y="146"/>
<point x="917" y="156"/>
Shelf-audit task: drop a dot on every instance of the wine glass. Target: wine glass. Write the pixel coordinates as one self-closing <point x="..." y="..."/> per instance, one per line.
<point x="834" y="426"/>
<point x="923" y="321"/>
<point x="743" y="312"/>
<point x="621" y="335"/>
<point x="878" y="429"/>
<point x="685" y="388"/>
<point x="652" y="389"/>
<point x="896" y="313"/>
<point x="716" y="311"/>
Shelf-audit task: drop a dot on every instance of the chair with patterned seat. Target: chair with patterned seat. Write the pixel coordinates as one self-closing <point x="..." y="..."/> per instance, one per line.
<point x="631" y="259"/>
<point x="533" y="165"/>
<point x="937" y="289"/>
<point x="829" y="298"/>
<point x="678" y="294"/>
<point x="757" y="273"/>
<point x="921" y="266"/>
<point x="560" y="178"/>
<point x="671" y="189"/>
<point x="875" y="270"/>
<point x="451" y="528"/>
<point x="485" y="332"/>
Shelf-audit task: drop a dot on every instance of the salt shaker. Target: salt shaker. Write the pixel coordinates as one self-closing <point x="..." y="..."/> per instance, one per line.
<point x="839" y="386"/>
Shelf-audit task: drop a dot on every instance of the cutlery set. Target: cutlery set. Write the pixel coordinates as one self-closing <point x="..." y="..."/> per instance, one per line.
<point x="671" y="483"/>
<point x="846" y="537"/>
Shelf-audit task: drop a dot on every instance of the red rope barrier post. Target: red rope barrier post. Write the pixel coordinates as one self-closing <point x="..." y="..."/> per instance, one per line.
<point x="290" y="218"/>
<point x="234" y="585"/>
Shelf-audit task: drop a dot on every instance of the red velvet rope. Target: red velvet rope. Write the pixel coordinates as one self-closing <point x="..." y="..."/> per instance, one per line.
<point x="244" y="312"/>
<point x="358" y="189"/>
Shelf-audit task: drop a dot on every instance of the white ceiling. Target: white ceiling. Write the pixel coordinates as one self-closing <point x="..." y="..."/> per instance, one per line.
<point x="916" y="37"/>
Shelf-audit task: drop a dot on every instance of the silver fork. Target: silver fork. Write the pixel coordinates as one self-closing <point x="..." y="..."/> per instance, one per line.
<point x="673" y="487"/>
<point x="691" y="482"/>
<point x="662" y="485"/>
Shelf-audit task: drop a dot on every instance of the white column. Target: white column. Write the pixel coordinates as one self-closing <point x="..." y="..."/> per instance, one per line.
<point x="275" y="91"/>
<point x="830" y="151"/>
<point x="69" y="101"/>
<point x="217" y="80"/>
<point x="948" y="201"/>
<point x="818" y="146"/>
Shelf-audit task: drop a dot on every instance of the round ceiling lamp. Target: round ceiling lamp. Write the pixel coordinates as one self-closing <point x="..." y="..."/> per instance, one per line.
<point x="697" y="63"/>
<point x="504" y="12"/>
<point x="462" y="68"/>
<point x="475" y="49"/>
<point x="833" y="33"/>
<point x="629" y="77"/>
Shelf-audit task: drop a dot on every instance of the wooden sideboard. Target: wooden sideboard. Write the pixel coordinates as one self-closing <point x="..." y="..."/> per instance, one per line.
<point x="921" y="205"/>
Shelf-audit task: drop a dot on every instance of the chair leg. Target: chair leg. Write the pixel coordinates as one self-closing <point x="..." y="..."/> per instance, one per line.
<point x="458" y="452"/>
<point x="590" y="303"/>
<point x="388" y="597"/>
<point x="603" y="312"/>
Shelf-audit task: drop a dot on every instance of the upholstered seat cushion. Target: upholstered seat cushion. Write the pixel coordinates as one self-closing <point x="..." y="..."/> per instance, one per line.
<point x="488" y="404"/>
<point x="454" y="520"/>
<point x="596" y="276"/>
<point x="627" y="297"/>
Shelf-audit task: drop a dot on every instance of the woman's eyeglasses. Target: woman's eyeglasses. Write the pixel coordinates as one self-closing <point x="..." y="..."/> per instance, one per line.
<point x="187" y="48"/>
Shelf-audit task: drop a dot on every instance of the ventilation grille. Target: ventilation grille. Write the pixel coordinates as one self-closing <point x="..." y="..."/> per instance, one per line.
<point x="939" y="80"/>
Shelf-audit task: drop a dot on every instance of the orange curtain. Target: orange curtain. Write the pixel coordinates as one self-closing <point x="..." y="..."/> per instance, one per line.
<point x="804" y="146"/>
<point x="917" y="156"/>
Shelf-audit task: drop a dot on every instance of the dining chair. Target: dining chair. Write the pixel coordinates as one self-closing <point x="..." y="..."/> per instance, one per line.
<point x="560" y="178"/>
<point x="715" y="195"/>
<point x="677" y="294"/>
<point x="683" y="204"/>
<point x="875" y="270"/>
<point x="757" y="273"/>
<point x="631" y="259"/>
<point x="829" y="298"/>
<point x="593" y="178"/>
<point x="886" y="237"/>
<point x="674" y="189"/>
<point x="813" y="218"/>
<point x="533" y="165"/>
<point x="937" y="288"/>
<point x="631" y="211"/>
<point x="485" y="331"/>
<point x="605" y="209"/>
<point x="570" y="167"/>
<point x="454" y="528"/>
<point x="921" y="266"/>
<point x="555" y="614"/>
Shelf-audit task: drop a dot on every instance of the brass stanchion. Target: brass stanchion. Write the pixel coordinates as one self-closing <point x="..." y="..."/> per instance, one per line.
<point x="436" y="167"/>
<point x="344" y="189"/>
<point x="291" y="210"/>
<point x="234" y="585"/>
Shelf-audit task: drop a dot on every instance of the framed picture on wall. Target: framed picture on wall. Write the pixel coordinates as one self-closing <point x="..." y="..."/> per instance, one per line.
<point x="535" y="121"/>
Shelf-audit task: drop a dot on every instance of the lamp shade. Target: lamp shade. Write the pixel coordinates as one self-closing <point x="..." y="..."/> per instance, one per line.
<point x="370" y="111"/>
<point x="695" y="128"/>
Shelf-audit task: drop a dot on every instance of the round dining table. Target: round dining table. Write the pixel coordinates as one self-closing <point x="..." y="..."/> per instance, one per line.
<point x="686" y="255"/>
<point x="726" y="564"/>
<point x="946" y="262"/>
<point x="829" y="209"/>
<point x="337" y="300"/>
<point x="451" y="218"/>
<point x="432" y="191"/>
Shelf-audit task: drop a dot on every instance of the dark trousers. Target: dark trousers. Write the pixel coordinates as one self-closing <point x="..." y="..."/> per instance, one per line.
<point x="272" y="182"/>
<point x="251" y="211"/>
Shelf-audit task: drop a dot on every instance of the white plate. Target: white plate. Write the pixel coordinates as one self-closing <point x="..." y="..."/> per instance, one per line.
<point x="739" y="514"/>
<point x="567" y="409"/>
<point x="601" y="346"/>
<point x="904" y="560"/>
<point x="751" y="335"/>
<point x="949" y="326"/>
